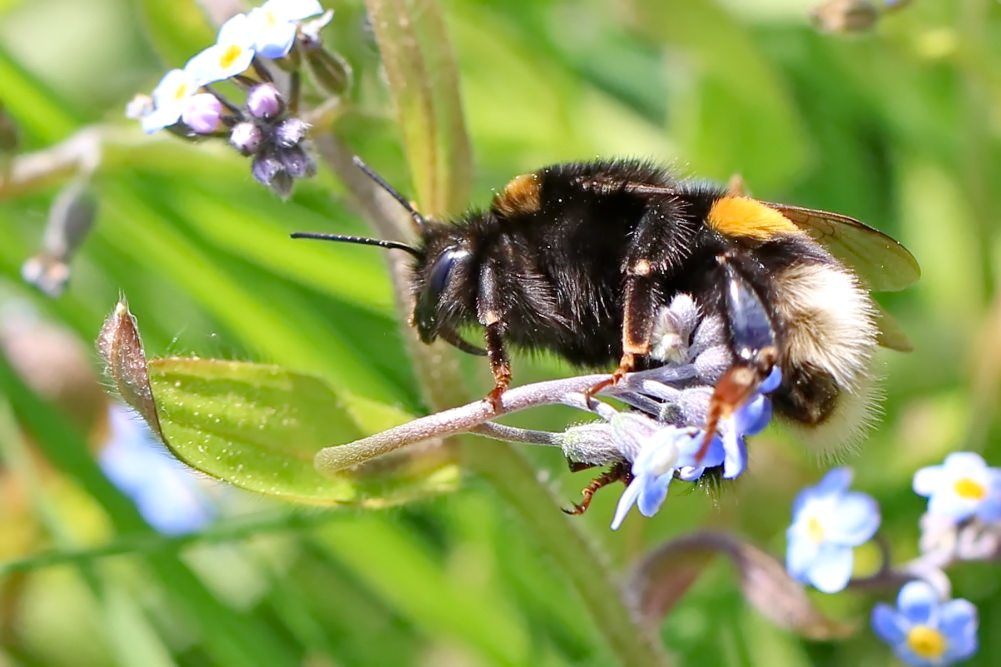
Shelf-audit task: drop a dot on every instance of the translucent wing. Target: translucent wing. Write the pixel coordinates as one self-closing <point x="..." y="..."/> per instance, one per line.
<point x="890" y="334"/>
<point x="881" y="262"/>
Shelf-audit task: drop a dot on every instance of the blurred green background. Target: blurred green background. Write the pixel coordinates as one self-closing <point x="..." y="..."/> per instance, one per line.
<point x="898" y="127"/>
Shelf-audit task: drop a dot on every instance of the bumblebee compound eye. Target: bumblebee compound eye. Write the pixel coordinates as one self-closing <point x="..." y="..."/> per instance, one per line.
<point x="438" y="279"/>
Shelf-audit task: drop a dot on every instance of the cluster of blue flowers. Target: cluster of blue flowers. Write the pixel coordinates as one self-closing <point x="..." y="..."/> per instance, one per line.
<point x="662" y="437"/>
<point x="265" y="126"/>
<point x="964" y="504"/>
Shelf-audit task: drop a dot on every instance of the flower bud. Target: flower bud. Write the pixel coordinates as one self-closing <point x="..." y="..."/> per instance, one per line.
<point x="297" y="162"/>
<point x="265" y="168"/>
<point x="331" y="72"/>
<point x="265" y="102"/>
<point x="203" y="114"/>
<point x="246" y="138"/>
<point x="290" y="132"/>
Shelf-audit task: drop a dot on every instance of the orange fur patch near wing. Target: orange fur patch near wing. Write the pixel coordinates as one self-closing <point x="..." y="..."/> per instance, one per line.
<point x="749" y="218"/>
<point x="520" y="196"/>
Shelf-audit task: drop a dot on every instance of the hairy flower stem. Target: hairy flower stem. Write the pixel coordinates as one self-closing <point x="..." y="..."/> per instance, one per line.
<point x="501" y="464"/>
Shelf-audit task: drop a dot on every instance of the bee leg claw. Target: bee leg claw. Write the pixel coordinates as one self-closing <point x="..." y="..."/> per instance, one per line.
<point x="618" y="472"/>
<point x="494" y="397"/>
<point x="612" y="380"/>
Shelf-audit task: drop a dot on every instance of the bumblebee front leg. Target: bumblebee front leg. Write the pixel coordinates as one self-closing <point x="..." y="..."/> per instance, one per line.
<point x="490" y="315"/>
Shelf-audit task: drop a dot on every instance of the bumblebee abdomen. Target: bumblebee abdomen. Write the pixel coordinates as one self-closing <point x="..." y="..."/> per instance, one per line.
<point x="828" y="337"/>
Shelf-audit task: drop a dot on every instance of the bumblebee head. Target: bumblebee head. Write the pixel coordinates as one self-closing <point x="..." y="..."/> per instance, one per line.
<point x="445" y="286"/>
<point x="443" y="279"/>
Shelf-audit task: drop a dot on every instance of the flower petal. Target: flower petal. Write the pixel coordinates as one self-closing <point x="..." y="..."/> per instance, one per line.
<point x="734" y="454"/>
<point x="653" y="492"/>
<point x="275" y="41"/>
<point x="854" y="519"/>
<point x="917" y="601"/>
<point x="237" y="30"/>
<point x="626" y="501"/>
<point x="803" y="498"/>
<point x="958" y="618"/>
<point x="832" y="568"/>
<point x="835" y="481"/>
<point x="752" y="417"/>
<point x="946" y="502"/>
<point x="887" y="625"/>
<point x="772" y="382"/>
<point x="158" y="119"/>
<point x="800" y="554"/>
<point x="964" y="464"/>
<point x="928" y="480"/>
<point x="960" y="648"/>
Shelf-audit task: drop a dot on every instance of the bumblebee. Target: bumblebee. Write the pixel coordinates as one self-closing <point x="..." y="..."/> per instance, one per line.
<point x="580" y="258"/>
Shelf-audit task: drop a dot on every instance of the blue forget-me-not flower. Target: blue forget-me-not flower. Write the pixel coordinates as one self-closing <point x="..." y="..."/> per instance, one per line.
<point x="924" y="631"/>
<point x="963" y="486"/>
<point x="829" y="521"/>
<point x="170" y="99"/>
<point x="230" y="55"/>
<point x="663" y="453"/>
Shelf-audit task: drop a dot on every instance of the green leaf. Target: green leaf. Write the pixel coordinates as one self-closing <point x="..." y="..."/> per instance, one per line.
<point x="259" y="426"/>
<point x="417" y="57"/>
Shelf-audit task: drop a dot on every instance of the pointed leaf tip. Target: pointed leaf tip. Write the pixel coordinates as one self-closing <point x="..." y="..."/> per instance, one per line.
<point x="125" y="363"/>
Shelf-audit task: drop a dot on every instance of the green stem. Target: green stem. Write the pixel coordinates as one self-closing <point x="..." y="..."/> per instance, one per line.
<point x="563" y="540"/>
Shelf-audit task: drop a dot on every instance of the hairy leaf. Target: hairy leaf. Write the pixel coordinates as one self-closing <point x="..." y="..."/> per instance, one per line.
<point x="259" y="426"/>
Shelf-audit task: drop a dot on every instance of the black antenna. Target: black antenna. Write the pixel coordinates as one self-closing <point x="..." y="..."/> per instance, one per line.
<point x="364" y="240"/>
<point x="414" y="213"/>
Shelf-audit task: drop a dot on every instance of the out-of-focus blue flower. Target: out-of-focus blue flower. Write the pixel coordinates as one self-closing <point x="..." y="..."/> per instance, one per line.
<point x="666" y="451"/>
<point x="963" y="486"/>
<point x="230" y="55"/>
<point x="166" y="493"/>
<point x="170" y="97"/>
<point x="924" y="631"/>
<point x="274" y="24"/>
<point x="829" y="521"/>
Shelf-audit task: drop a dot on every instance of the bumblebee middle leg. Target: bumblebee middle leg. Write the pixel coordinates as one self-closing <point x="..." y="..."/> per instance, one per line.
<point x="659" y="246"/>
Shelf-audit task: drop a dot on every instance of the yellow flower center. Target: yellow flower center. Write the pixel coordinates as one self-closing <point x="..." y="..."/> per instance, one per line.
<point x="815" y="529"/>
<point x="969" y="489"/>
<point x="180" y="92"/>
<point x="230" y="55"/>
<point x="926" y="642"/>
